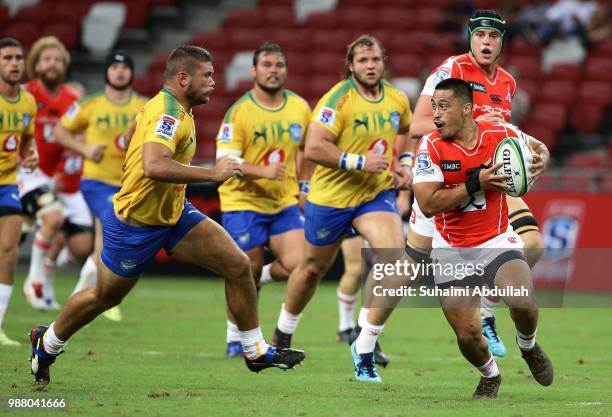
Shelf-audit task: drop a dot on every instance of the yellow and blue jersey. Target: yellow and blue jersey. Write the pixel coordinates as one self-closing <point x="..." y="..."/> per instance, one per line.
<point x="103" y="122"/>
<point x="360" y="125"/>
<point x="263" y="136"/>
<point x="16" y="119"/>
<point x="162" y="120"/>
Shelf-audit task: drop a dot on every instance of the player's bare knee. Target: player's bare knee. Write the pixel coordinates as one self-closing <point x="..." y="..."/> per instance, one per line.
<point x="54" y="220"/>
<point x="313" y="271"/>
<point x="239" y="268"/>
<point x="468" y="334"/>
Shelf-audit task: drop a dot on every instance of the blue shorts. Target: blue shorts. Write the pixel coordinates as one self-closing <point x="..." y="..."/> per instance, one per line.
<point x="250" y="229"/>
<point x="10" y="203"/>
<point x="325" y="225"/>
<point x="127" y="250"/>
<point x="98" y="196"/>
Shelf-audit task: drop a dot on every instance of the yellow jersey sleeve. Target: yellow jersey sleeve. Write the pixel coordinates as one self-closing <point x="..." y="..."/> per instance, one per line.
<point x="231" y="135"/>
<point x="328" y="112"/>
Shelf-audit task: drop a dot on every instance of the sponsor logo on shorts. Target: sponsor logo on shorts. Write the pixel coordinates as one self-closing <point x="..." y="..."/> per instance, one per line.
<point x="512" y="239"/>
<point x="327" y="116"/>
<point x="323" y="233"/>
<point x="226" y="133"/>
<point x="244" y="238"/>
<point x="128" y="264"/>
<point x="395" y="120"/>
<point x="166" y="127"/>
<point x="477" y="87"/>
<point x="295" y="131"/>
<point x="451" y="165"/>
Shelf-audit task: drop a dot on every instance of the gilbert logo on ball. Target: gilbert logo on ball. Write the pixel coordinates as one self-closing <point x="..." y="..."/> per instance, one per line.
<point x="515" y="157"/>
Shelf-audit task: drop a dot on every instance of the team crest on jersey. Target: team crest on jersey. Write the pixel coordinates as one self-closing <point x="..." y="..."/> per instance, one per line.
<point x="166" y="127"/>
<point x="327" y="116"/>
<point x="274" y="156"/>
<point x="440" y="75"/>
<point x="226" y="133"/>
<point x="295" y="130"/>
<point x="379" y="146"/>
<point x="26" y="119"/>
<point x="395" y="120"/>
<point x="10" y="143"/>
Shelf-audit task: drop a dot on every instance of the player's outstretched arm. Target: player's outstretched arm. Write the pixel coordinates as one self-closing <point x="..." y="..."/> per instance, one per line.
<point x="28" y="155"/>
<point x="272" y="172"/>
<point x="70" y="140"/>
<point x="321" y="149"/>
<point x="158" y="165"/>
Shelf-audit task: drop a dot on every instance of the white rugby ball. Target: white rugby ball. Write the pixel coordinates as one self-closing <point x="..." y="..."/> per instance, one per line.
<point x="516" y="158"/>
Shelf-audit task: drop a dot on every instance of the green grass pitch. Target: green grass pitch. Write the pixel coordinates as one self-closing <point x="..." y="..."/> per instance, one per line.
<point x="167" y="359"/>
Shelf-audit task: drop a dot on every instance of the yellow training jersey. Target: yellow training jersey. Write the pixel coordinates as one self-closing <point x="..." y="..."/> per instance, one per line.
<point x="262" y="136"/>
<point x="16" y="119"/>
<point x="162" y="120"/>
<point x="103" y="122"/>
<point x="359" y="125"/>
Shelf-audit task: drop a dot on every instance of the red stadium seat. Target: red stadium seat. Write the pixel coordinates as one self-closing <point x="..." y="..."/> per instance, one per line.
<point x="26" y="34"/>
<point x="287" y="39"/>
<point x="587" y="160"/>
<point x="542" y="133"/>
<point x="34" y="14"/>
<point x="343" y="4"/>
<point x="245" y="40"/>
<point x="320" y="85"/>
<point x="322" y="21"/>
<point x="410" y="43"/>
<point x="605" y="182"/>
<point x="331" y="41"/>
<point x="66" y="32"/>
<point x="278" y="17"/>
<point x="243" y="19"/>
<point x="4" y="15"/>
<point x="529" y="68"/>
<point x="326" y="63"/>
<point x="567" y="72"/>
<point x="143" y="85"/>
<point x="586" y="117"/>
<point x="599" y="69"/>
<point x="602" y="49"/>
<point x="561" y="92"/>
<point x="159" y="62"/>
<point x="357" y="18"/>
<point x="595" y="92"/>
<point x="427" y="19"/>
<point x="299" y="84"/>
<point x="137" y="13"/>
<point x="395" y="19"/>
<point x="529" y="86"/>
<point x="520" y="47"/>
<point x="207" y="40"/>
<point x="406" y="65"/>
<point x="299" y="64"/>
<point x="277" y="3"/>
<point x="68" y="11"/>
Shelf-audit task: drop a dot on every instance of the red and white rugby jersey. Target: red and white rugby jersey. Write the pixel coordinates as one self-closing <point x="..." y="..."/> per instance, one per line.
<point x="482" y="216"/>
<point x="490" y="94"/>
<point x="51" y="107"/>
